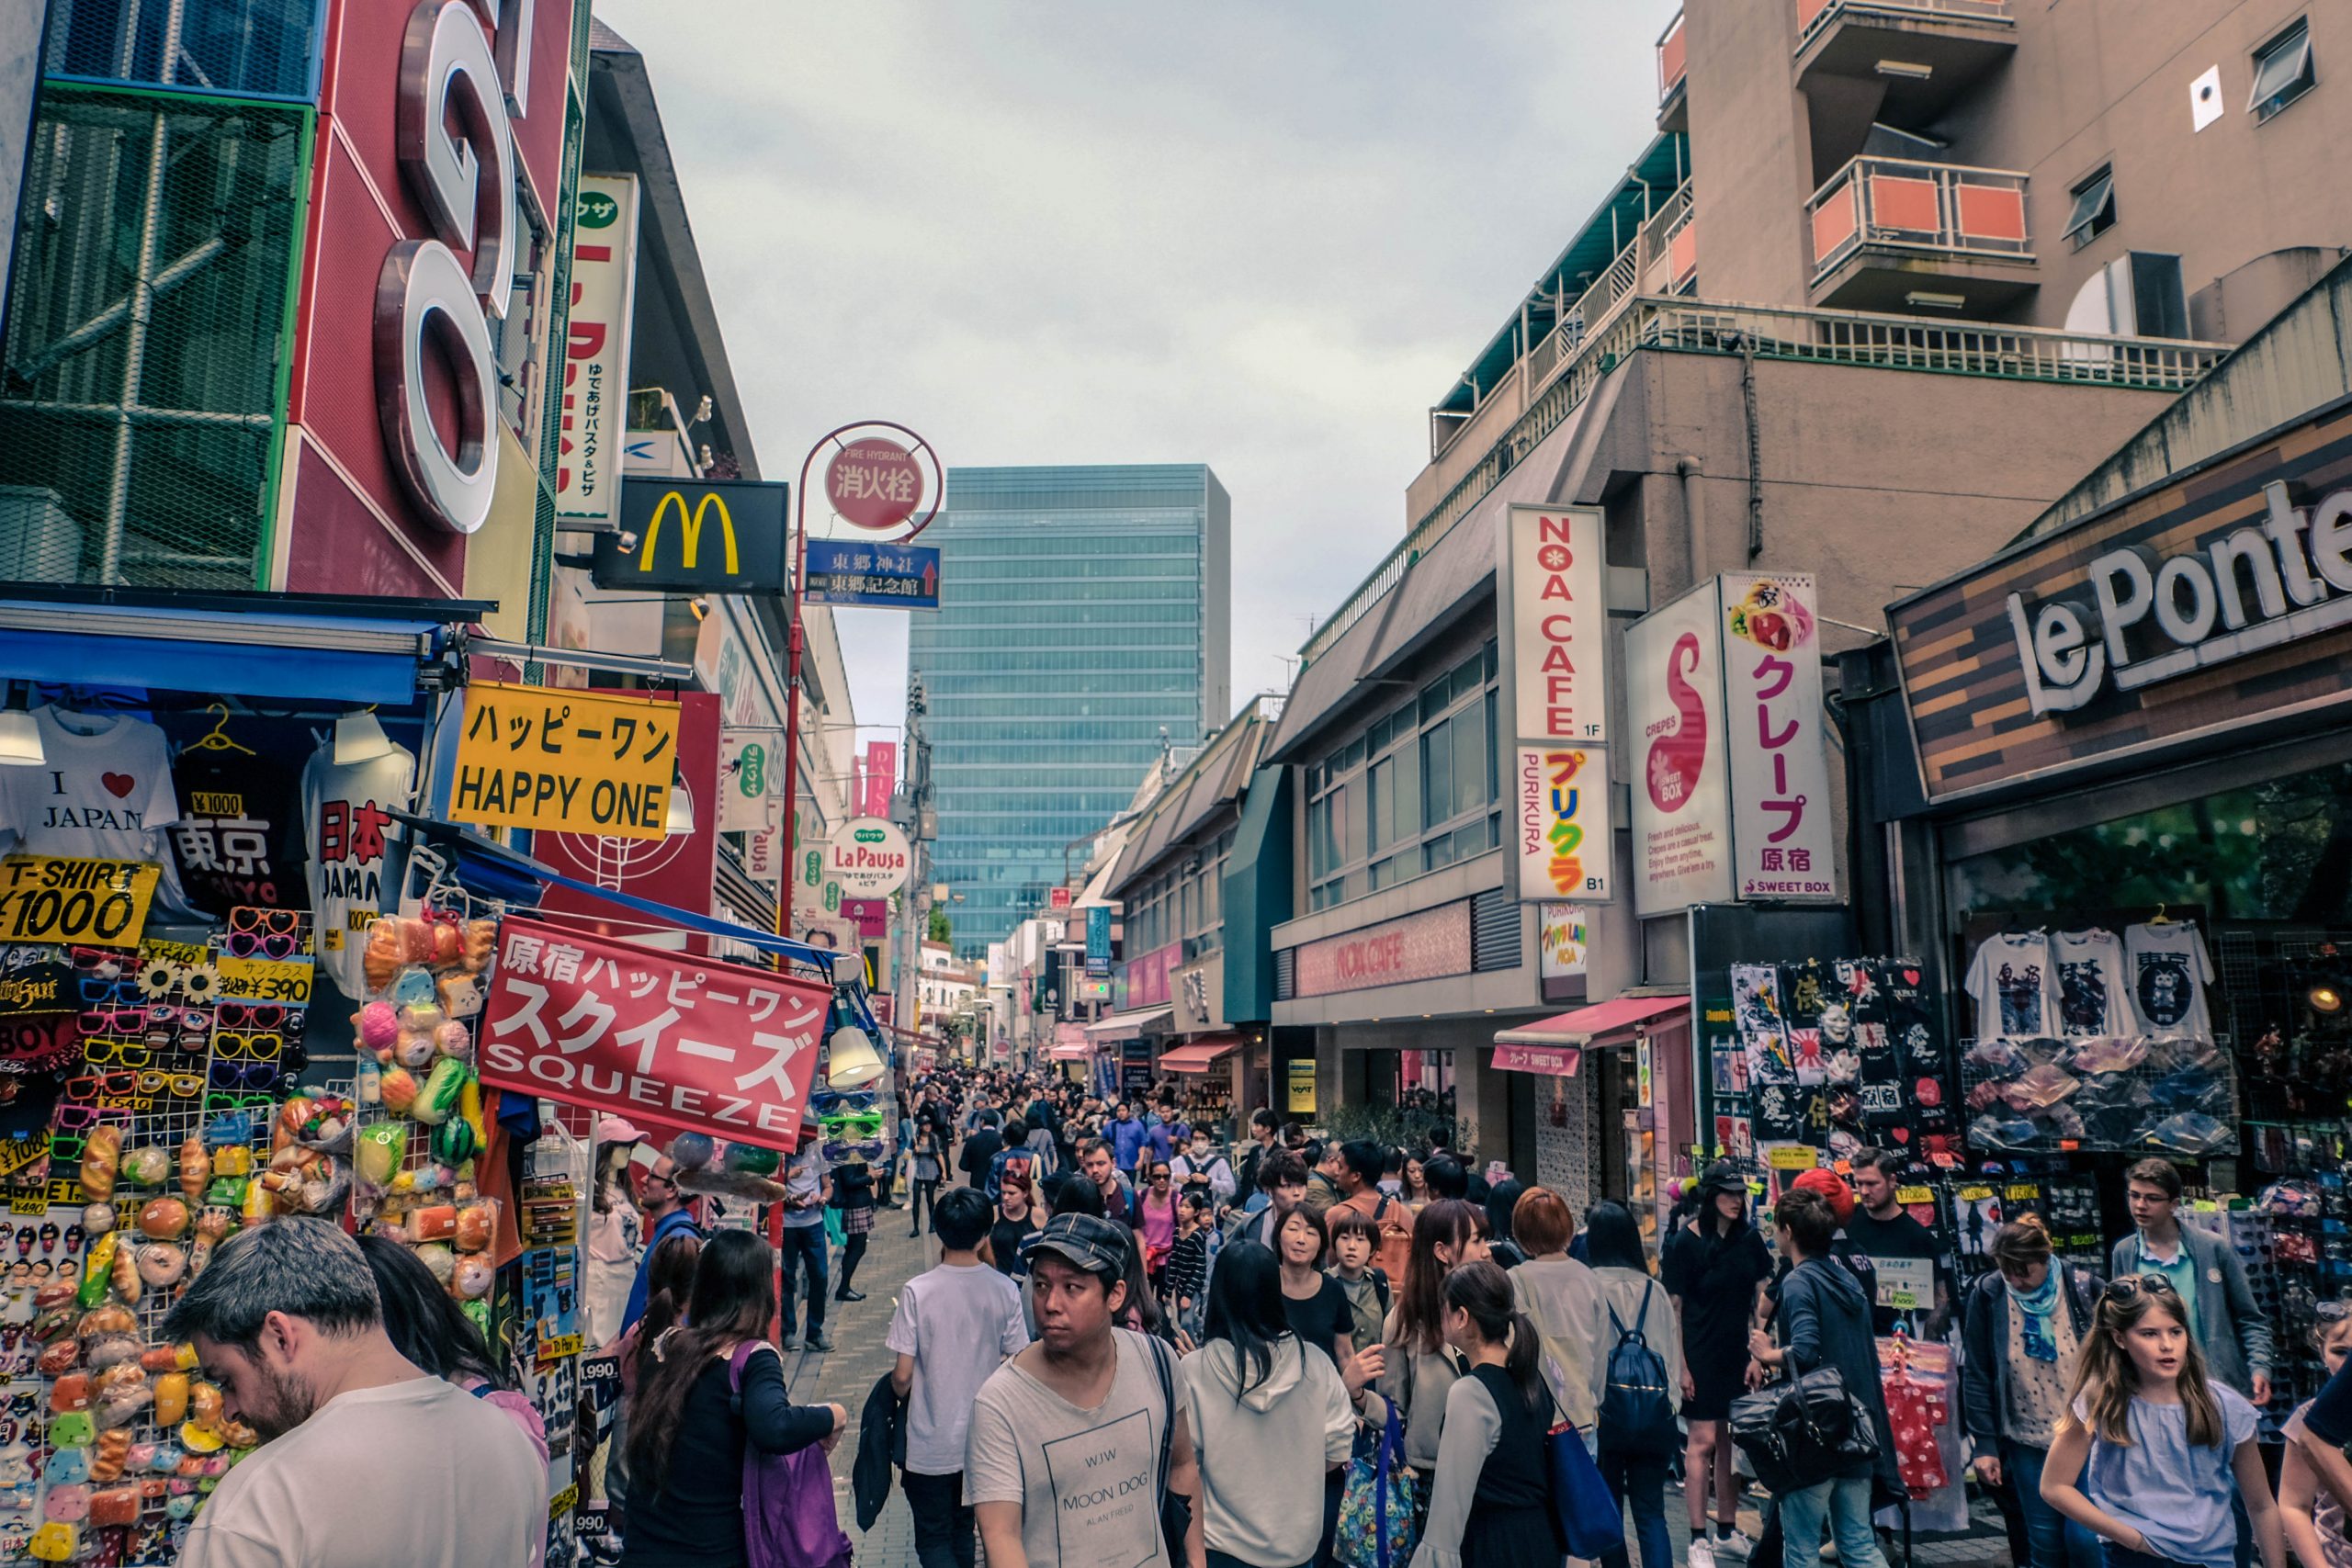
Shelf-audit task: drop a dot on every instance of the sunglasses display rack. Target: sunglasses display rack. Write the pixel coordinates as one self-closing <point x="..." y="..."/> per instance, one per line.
<point x="157" y="1152"/>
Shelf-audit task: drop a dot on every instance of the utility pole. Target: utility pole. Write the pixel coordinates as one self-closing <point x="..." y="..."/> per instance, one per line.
<point x="910" y="808"/>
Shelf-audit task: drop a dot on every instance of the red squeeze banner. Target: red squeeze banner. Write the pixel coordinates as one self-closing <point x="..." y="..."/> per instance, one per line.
<point x="717" y="1047"/>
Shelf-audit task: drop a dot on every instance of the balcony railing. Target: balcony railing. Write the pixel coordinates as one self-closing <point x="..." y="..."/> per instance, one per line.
<point x="1834" y="337"/>
<point x="1672" y="60"/>
<point x="1813" y="16"/>
<point x="1934" y="206"/>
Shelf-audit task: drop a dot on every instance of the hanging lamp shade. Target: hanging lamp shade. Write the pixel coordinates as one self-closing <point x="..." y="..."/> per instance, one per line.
<point x="20" y="744"/>
<point x="853" y="1063"/>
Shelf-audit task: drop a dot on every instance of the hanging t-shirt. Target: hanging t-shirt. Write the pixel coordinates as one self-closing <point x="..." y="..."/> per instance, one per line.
<point x="356" y="853"/>
<point x="238" y="839"/>
<point x="103" y="792"/>
<point x="2169" y="972"/>
<point x="2011" y="983"/>
<point x="2093" y="989"/>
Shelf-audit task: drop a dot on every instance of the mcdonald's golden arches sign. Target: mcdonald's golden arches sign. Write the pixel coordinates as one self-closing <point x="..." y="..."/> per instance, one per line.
<point x="693" y="537"/>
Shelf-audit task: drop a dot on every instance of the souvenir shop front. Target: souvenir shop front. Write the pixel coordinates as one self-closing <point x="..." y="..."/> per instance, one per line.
<point x="2126" y="852"/>
<point x="251" y="967"/>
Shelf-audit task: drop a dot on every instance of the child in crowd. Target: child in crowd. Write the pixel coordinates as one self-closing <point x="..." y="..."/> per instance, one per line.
<point x="1187" y="1283"/>
<point x="2309" y="1511"/>
<point x="2145" y="1457"/>
<point x="1355" y="1235"/>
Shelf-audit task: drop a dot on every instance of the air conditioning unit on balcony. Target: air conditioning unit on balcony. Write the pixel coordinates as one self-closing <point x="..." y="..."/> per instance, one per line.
<point x="2139" y="295"/>
<point x="40" y="541"/>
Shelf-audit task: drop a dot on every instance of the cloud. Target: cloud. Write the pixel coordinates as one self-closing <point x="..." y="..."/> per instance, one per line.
<point x="1265" y="236"/>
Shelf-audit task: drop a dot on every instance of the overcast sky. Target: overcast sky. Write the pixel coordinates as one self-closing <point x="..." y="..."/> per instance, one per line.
<point x="1267" y="236"/>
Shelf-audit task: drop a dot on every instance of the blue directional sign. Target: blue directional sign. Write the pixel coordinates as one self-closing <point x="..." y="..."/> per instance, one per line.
<point x="854" y="571"/>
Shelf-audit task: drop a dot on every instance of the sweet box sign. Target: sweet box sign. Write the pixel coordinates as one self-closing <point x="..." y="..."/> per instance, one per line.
<point x="718" y="1048"/>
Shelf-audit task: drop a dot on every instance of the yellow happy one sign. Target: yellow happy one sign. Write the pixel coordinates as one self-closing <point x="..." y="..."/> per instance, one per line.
<point x="568" y="761"/>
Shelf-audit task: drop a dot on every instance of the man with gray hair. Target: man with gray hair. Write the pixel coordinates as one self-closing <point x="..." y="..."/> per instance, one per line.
<point x="286" y="1321"/>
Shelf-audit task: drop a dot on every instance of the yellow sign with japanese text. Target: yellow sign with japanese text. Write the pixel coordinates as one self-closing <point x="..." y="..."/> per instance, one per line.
<point x="59" y="898"/>
<point x="568" y="761"/>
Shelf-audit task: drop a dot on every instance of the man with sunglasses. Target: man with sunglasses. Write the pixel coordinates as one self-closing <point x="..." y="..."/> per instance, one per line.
<point x="666" y="1214"/>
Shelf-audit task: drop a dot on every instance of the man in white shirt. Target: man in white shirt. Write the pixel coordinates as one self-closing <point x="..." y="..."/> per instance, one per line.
<point x="286" y="1321"/>
<point x="953" y="1327"/>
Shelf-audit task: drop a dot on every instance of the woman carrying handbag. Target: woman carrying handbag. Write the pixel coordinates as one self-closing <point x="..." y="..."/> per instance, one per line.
<point x="1823" y="1321"/>
<point x="714" y="1396"/>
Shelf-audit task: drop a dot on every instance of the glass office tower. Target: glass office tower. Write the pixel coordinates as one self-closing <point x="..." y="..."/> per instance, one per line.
<point x="1083" y="624"/>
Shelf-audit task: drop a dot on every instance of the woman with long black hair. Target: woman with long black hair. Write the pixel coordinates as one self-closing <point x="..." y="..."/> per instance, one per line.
<point x="687" y="1431"/>
<point x="1715" y="1268"/>
<point x="1270" y="1416"/>
<point x="426" y="1323"/>
<point x="1492" y="1505"/>
<point x="1421" y="1366"/>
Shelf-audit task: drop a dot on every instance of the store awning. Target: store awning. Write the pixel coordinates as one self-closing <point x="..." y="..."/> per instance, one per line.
<point x="1071" y="1052"/>
<point x="1199" y="1056"/>
<point x="1127" y="1025"/>
<point x="314" y="647"/>
<point x="1603" y="1023"/>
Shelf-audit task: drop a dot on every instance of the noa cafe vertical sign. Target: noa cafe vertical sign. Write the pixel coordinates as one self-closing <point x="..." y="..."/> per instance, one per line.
<point x="1559" y="623"/>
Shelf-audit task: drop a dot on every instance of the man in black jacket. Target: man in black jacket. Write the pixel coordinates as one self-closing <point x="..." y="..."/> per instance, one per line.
<point x="979" y="1150"/>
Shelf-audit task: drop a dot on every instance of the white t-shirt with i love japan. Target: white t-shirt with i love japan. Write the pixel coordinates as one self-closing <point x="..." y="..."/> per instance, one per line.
<point x="103" y="791"/>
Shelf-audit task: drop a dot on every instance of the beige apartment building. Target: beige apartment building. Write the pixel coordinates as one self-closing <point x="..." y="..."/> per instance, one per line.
<point x="1884" y="280"/>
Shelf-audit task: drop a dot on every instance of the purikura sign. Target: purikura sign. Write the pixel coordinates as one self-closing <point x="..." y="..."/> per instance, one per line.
<point x="613" y="1026"/>
<point x="1565" y="844"/>
<point x="1674" y="705"/>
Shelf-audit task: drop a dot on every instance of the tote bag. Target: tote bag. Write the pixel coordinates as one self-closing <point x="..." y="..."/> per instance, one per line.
<point x="789" y="1517"/>
<point x="1379" y="1505"/>
<point x="1590" y="1523"/>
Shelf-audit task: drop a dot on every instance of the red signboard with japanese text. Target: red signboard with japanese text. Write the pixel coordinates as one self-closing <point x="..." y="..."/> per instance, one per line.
<point x="721" y="1048"/>
<point x="677" y="869"/>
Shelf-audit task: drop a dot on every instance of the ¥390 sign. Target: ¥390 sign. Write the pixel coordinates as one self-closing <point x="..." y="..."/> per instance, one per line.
<point x="457" y="153"/>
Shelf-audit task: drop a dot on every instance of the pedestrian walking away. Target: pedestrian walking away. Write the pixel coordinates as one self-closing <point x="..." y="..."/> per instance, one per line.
<point x="1271" y="1420"/>
<point x="1490" y="1506"/>
<point x="807" y="1188"/>
<point x="953" y="1325"/>
<point x="1635" y="1449"/>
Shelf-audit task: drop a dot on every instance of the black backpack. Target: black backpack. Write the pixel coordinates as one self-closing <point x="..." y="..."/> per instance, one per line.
<point x="1637" y="1407"/>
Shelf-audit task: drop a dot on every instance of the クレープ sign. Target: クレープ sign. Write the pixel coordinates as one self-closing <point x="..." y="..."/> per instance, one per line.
<point x="570" y="760"/>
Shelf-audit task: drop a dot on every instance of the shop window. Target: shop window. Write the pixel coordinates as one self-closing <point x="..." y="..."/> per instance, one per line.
<point x="2094" y="211"/>
<point x="2283" y="71"/>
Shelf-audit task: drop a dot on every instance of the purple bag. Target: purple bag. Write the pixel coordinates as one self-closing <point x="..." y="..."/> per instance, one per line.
<point x="789" y="1517"/>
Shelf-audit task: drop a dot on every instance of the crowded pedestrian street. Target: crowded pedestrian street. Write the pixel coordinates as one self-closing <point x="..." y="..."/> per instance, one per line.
<point x="1261" y="783"/>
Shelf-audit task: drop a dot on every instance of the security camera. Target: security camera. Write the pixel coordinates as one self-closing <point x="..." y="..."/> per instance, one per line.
<point x="626" y="544"/>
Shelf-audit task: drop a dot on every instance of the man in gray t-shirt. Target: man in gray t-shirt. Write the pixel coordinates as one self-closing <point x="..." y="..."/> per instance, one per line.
<point x="954" y="1327"/>
<point x="807" y="1186"/>
<point x="1062" y="1465"/>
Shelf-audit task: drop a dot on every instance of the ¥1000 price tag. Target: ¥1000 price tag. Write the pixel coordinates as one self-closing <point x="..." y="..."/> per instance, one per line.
<point x="60" y="898"/>
<point x="286" y="980"/>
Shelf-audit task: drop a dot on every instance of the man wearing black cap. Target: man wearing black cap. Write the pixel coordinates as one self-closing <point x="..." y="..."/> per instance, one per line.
<point x="1065" y="1461"/>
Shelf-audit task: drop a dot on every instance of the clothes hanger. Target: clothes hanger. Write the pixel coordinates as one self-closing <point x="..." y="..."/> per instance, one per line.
<point x="218" y="739"/>
<point x="2160" y="917"/>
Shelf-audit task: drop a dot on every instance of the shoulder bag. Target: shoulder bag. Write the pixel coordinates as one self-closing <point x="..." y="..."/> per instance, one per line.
<point x="788" y="1512"/>
<point x="1175" y="1508"/>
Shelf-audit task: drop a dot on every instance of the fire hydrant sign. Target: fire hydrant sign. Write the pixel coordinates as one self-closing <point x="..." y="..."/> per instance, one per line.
<point x="570" y="760"/>
<point x="716" y="1047"/>
<point x="59" y="898"/>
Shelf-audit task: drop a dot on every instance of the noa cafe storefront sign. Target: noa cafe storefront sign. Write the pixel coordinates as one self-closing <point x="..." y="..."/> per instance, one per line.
<point x="869" y="857"/>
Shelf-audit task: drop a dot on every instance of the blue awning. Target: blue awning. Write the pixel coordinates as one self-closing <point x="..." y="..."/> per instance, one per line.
<point x="246" y="653"/>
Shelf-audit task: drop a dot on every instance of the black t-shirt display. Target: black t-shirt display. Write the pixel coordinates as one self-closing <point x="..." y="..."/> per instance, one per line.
<point x="1321" y="1318"/>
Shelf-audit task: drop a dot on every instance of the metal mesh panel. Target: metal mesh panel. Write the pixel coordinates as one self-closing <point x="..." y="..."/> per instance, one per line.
<point x="140" y="379"/>
<point x="238" y="46"/>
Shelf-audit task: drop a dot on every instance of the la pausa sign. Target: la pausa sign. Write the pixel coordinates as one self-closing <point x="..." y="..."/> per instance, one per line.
<point x="2149" y="618"/>
<point x="868" y="857"/>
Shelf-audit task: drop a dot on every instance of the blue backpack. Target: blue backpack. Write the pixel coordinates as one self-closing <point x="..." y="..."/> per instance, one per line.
<point x="1636" y="1408"/>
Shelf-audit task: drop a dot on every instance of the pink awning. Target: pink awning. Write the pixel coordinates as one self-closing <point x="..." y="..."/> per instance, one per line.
<point x="1603" y="1023"/>
<point x="1077" y="1052"/>
<point x="1199" y="1056"/>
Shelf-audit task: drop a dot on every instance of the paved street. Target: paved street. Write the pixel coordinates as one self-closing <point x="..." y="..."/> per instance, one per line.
<point x="859" y="1357"/>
